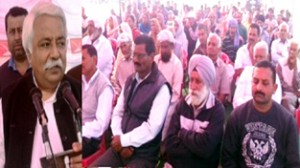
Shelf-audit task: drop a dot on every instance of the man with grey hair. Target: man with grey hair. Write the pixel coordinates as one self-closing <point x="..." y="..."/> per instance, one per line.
<point x="243" y="86"/>
<point x="170" y="66"/>
<point x="105" y="52"/>
<point x="125" y="66"/>
<point x="221" y="87"/>
<point x="288" y="70"/>
<point x="279" y="48"/>
<point x="44" y="39"/>
<point x="196" y="128"/>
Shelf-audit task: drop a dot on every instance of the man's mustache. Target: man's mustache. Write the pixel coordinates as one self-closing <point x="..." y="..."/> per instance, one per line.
<point x="259" y="93"/>
<point x="51" y="64"/>
<point x="137" y="64"/>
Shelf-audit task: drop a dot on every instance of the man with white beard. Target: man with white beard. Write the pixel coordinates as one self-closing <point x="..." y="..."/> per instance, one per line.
<point x="196" y="128"/>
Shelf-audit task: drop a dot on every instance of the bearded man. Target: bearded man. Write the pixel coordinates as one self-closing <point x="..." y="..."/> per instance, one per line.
<point x="196" y="128"/>
<point x="170" y="66"/>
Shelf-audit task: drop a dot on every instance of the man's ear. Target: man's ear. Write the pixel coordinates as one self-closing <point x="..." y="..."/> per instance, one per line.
<point x="95" y="59"/>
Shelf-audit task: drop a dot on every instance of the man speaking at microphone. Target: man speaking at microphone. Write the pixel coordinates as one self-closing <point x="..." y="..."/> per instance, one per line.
<point x="44" y="40"/>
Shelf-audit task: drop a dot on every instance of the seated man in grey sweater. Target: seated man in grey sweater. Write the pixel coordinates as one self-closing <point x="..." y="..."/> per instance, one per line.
<point x="196" y="128"/>
<point x="97" y="99"/>
<point x="261" y="132"/>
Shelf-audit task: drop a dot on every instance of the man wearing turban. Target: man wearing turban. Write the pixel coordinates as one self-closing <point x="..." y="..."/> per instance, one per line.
<point x="196" y="128"/>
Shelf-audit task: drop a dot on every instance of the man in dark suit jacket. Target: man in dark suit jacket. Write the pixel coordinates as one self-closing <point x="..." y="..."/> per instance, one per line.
<point x="44" y="40"/>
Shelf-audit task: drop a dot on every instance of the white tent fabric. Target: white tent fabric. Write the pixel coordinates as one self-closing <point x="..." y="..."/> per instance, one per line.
<point x="72" y="9"/>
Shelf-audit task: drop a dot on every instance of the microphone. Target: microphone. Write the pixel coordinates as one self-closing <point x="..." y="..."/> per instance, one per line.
<point x="71" y="100"/>
<point x="36" y="95"/>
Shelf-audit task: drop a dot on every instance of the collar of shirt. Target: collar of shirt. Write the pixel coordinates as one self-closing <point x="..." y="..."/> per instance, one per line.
<point x="127" y="59"/>
<point x="210" y="101"/>
<point x="53" y="97"/>
<point x="12" y="65"/>
<point x="139" y="80"/>
<point x="218" y="62"/>
<point x="87" y="83"/>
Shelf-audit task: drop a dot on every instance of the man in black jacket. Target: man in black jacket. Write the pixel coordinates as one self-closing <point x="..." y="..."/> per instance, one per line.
<point x="261" y="132"/>
<point x="196" y="128"/>
<point x="44" y="40"/>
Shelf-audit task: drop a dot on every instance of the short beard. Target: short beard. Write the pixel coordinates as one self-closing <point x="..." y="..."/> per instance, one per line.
<point x="198" y="97"/>
<point x="165" y="57"/>
<point x="19" y="56"/>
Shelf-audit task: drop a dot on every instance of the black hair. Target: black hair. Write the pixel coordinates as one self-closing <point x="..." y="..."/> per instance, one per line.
<point x="132" y="17"/>
<point x="148" y="41"/>
<point x="255" y="26"/>
<point x="203" y="27"/>
<point x="260" y="17"/>
<point x="267" y="64"/>
<point x="90" y="49"/>
<point x="14" y="12"/>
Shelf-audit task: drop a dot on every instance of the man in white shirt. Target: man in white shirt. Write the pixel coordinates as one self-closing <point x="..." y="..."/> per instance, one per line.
<point x="170" y="66"/>
<point x="280" y="46"/>
<point x="244" y="55"/>
<point x="243" y="86"/>
<point x="44" y="39"/>
<point x="103" y="47"/>
<point x="288" y="70"/>
<point x="97" y="99"/>
<point x="140" y="113"/>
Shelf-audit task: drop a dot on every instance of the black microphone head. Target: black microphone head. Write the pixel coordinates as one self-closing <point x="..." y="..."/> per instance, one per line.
<point x="35" y="93"/>
<point x="69" y="96"/>
<point x="36" y="96"/>
<point x="65" y="88"/>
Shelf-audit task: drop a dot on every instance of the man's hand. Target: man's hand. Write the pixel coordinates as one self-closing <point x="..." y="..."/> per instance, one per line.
<point x="126" y="152"/>
<point x="76" y="159"/>
<point x="116" y="143"/>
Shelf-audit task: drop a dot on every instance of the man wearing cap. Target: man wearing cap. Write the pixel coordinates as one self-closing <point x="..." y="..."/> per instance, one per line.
<point x="125" y="67"/>
<point x="102" y="45"/>
<point x="170" y="66"/>
<point x="97" y="99"/>
<point x="196" y="128"/>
